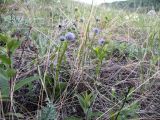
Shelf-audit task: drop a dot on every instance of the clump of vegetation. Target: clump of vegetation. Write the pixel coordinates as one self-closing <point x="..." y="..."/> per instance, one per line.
<point x="64" y="60"/>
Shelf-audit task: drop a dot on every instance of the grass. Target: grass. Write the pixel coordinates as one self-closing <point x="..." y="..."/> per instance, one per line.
<point x="49" y="79"/>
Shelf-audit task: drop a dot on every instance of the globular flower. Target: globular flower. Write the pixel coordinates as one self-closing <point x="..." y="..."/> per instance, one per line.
<point x="101" y="41"/>
<point x="96" y="30"/>
<point x="62" y="38"/>
<point x="70" y="36"/>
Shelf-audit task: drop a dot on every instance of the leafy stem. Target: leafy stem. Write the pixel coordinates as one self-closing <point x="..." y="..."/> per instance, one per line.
<point x="123" y="104"/>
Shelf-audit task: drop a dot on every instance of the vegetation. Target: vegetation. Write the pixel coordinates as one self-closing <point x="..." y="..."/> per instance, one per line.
<point x="133" y="5"/>
<point x="63" y="60"/>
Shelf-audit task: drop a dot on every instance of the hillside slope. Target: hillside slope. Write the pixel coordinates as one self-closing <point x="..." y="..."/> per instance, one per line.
<point x="133" y="5"/>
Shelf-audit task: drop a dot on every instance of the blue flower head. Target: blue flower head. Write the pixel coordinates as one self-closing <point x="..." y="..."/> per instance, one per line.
<point x="62" y="38"/>
<point x="70" y="36"/>
<point x="96" y="30"/>
<point x="101" y="41"/>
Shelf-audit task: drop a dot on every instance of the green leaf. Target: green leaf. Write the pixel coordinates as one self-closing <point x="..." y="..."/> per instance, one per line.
<point x="89" y="114"/>
<point x="96" y="50"/>
<point x="112" y="115"/>
<point x="3" y="38"/>
<point x="4" y="59"/>
<point x="25" y="81"/>
<point x="4" y="83"/>
<point x="96" y="114"/>
<point x="60" y="87"/>
<point x="81" y="102"/>
<point x="85" y="101"/>
<point x="10" y="72"/>
<point x="12" y="45"/>
<point x="61" y="52"/>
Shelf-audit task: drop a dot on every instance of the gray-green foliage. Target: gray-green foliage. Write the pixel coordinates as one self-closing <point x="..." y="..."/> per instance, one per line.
<point x="48" y="112"/>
